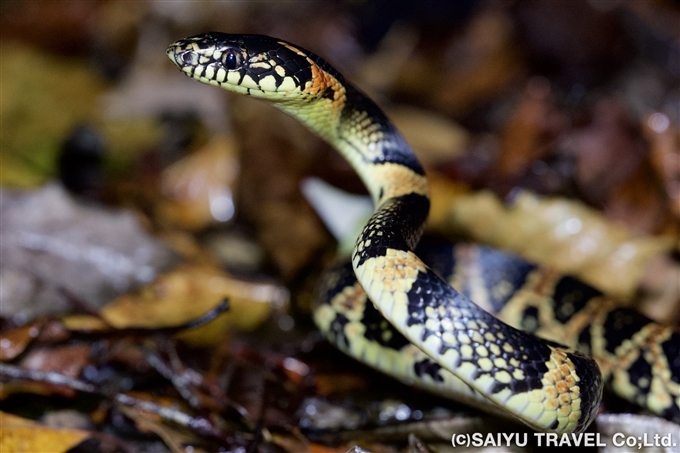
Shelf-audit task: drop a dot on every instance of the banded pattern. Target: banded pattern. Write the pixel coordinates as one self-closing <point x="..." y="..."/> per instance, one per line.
<point x="639" y="359"/>
<point x="547" y="386"/>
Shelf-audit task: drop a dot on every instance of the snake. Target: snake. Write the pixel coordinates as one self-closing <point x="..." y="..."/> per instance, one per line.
<point x="386" y="307"/>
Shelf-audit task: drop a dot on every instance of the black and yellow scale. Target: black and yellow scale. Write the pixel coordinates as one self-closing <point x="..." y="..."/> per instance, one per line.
<point x="418" y="328"/>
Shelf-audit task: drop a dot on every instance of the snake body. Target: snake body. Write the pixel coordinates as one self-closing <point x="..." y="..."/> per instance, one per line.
<point x="639" y="359"/>
<point x="454" y="341"/>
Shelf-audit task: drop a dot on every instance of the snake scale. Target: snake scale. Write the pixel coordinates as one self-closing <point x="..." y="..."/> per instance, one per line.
<point x="418" y="328"/>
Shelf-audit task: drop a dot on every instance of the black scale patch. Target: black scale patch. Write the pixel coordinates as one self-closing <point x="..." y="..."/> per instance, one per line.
<point x="570" y="296"/>
<point x="428" y="367"/>
<point x="590" y="387"/>
<point x="532" y="354"/>
<point x="620" y="325"/>
<point x="296" y="65"/>
<point x="339" y="276"/>
<point x="672" y="413"/>
<point x="671" y="349"/>
<point x="394" y="226"/>
<point x="379" y="329"/>
<point x="335" y="278"/>
<point x="530" y="319"/>
<point x="584" y="340"/>
<point x="640" y="372"/>
<point x="336" y="331"/>
<point x="438" y="256"/>
<point x="502" y="270"/>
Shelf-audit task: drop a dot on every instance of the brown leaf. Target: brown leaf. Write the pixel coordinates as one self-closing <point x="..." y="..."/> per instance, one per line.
<point x="339" y="382"/>
<point x="665" y="144"/>
<point x="607" y="151"/>
<point x="14" y="342"/>
<point x="199" y="187"/>
<point x="67" y="360"/>
<point x="483" y="63"/>
<point x="532" y="127"/>
<point x="269" y="198"/>
<point x="434" y="138"/>
<point x="639" y="202"/>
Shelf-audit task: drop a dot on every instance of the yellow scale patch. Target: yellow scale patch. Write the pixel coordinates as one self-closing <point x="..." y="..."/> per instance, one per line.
<point x="396" y="180"/>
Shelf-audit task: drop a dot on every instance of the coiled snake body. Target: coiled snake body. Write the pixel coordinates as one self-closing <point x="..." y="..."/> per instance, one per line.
<point x="434" y="335"/>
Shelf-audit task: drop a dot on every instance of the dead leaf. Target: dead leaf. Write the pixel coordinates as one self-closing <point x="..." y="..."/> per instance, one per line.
<point x="59" y="243"/>
<point x="14" y="342"/>
<point x="19" y="435"/>
<point x="199" y="187"/>
<point x="665" y="146"/>
<point x="482" y="64"/>
<point x="532" y="127"/>
<point x="607" y="151"/>
<point x="273" y="165"/>
<point x="434" y="138"/>
<point x="567" y="235"/>
<point x="84" y="323"/>
<point x="190" y="291"/>
<point x="68" y="360"/>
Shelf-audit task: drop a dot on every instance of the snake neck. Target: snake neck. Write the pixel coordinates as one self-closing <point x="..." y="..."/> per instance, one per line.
<point x="361" y="132"/>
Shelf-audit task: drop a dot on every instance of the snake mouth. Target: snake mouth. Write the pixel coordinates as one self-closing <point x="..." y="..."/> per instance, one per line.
<point x="170" y="52"/>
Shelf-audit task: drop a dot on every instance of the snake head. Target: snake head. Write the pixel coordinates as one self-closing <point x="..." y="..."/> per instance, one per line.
<point x="255" y="65"/>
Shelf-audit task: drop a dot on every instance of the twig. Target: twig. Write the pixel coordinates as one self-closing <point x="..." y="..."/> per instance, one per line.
<point x="188" y="384"/>
<point x="201" y="425"/>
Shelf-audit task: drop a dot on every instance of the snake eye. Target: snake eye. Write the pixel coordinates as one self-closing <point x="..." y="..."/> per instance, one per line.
<point x="232" y="59"/>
